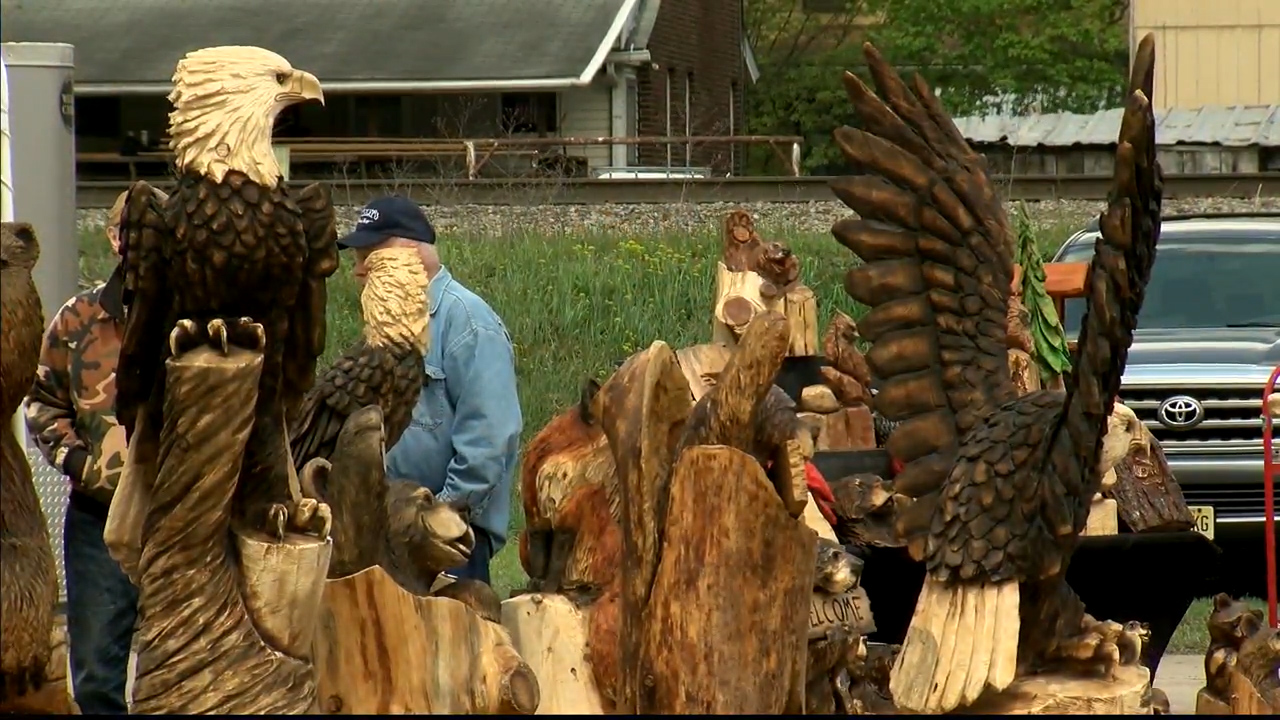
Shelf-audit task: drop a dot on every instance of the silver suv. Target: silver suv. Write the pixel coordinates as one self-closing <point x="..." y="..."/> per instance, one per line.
<point x="1208" y="340"/>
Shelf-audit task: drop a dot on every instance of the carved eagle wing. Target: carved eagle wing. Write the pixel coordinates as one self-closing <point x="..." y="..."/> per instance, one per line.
<point x="148" y="297"/>
<point x="937" y="264"/>
<point x="307" y="328"/>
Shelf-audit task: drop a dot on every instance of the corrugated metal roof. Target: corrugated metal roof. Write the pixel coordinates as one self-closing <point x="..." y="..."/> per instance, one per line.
<point x="1234" y="126"/>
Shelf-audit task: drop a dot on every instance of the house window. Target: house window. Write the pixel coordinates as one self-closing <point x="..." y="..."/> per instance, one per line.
<point x="98" y="117"/>
<point x="533" y="113"/>
<point x="376" y="116"/>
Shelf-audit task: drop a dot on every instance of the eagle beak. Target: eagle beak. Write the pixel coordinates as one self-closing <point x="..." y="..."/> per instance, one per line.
<point x="306" y="86"/>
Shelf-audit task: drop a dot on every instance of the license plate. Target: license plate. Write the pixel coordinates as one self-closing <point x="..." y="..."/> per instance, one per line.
<point x="1202" y="515"/>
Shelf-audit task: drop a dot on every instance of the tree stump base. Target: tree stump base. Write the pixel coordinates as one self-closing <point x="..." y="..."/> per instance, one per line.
<point x="54" y="697"/>
<point x="382" y="650"/>
<point x="552" y="634"/>
<point x="1061" y="694"/>
<point x="1147" y="496"/>
<point x="1103" y="518"/>
<point x="1208" y="704"/>
<point x="1243" y="699"/>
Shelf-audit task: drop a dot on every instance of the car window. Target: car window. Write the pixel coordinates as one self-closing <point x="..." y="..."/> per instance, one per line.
<point x="1200" y="282"/>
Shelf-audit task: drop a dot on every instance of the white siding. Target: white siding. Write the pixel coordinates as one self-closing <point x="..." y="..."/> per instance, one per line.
<point x="1219" y="52"/>
<point x="585" y="113"/>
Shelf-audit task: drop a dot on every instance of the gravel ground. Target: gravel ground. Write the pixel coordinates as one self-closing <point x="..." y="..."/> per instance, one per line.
<point x="814" y="217"/>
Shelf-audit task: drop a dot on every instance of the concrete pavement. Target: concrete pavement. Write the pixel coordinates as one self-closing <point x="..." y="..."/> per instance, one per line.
<point x="1181" y="677"/>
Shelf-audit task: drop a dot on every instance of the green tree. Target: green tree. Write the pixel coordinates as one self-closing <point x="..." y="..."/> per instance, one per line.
<point x="1012" y="56"/>
<point x="982" y="56"/>
<point x="801" y="53"/>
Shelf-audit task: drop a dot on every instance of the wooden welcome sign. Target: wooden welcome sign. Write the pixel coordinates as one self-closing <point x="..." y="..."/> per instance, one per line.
<point x="851" y="609"/>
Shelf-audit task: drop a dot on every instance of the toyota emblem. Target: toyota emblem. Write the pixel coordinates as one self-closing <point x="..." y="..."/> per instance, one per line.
<point x="1180" y="412"/>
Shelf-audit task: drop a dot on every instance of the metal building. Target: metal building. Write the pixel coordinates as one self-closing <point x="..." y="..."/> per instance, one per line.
<point x="1219" y="52"/>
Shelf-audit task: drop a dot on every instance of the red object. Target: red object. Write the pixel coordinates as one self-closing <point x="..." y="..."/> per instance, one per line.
<point x="820" y="491"/>
<point x="895" y="465"/>
<point x="1269" y="490"/>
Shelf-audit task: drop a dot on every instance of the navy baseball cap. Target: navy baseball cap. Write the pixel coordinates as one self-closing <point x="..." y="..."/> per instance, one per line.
<point x="388" y="217"/>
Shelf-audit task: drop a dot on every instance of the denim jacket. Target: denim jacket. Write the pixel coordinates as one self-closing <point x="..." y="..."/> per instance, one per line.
<point x="464" y="438"/>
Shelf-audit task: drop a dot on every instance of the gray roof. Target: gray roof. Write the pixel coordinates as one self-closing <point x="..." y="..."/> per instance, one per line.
<point x="397" y="44"/>
<point x="1234" y="126"/>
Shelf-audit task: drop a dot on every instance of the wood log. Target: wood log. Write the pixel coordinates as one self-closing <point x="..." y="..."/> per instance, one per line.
<point x="1245" y="698"/>
<point x="800" y="306"/>
<point x="1026" y="376"/>
<point x="1052" y="694"/>
<point x="381" y="650"/>
<point x="283" y="587"/>
<point x="737" y="652"/>
<point x="813" y="519"/>
<point x="738" y="300"/>
<point x="741" y="242"/>
<point x="1102" y="518"/>
<point x="1147" y="496"/>
<point x="818" y="399"/>
<point x="1017" y="332"/>
<point x="551" y="632"/>
<point x="701" y="365"/>
<point x="644" y="406"/>
<point x="840" y="347"/>
<point x="848" y="392"/>
<point x="206" y="637"/>
<point x="54" y="696"/>
<point x="1208" y="704"/>
<point x="850" y="428"/>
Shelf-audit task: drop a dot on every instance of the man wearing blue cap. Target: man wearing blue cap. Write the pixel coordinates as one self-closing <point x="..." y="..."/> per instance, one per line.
<point x="464" y="438"/>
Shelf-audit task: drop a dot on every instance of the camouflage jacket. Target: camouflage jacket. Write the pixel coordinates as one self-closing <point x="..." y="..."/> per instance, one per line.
<point x="71" y="408"/>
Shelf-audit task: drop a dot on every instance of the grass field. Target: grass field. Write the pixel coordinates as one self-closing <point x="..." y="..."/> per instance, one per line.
<point x="577" y="304"/>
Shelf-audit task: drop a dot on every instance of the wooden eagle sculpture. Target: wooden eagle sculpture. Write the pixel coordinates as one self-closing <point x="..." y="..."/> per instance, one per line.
<point x="28" y="583"/>
<point x="1001" y="484"/>
<point x="384" y="368"/>
<point x="231" y="257"/>
<point x="421" y="536"/>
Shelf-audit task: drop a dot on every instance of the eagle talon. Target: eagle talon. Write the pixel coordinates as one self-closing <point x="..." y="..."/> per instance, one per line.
<point x="278" y="518"/>
<point x="218" y="333"/>
<point x="184" y="337"/>
<point x="307" y="516"/>
<point x="246" y="333"/>
<point x="323" y="522"/>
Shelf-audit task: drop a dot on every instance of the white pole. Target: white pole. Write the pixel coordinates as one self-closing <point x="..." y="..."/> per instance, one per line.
<point x="6" y="159"/>
<point x="6" y="197"/>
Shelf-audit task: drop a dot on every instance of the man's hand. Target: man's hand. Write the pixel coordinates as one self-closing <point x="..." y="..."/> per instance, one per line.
<point x="74" y="465"/>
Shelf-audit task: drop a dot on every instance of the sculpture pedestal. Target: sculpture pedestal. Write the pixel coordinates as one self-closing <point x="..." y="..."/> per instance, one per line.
<point x="1244" y="700"/>
<point x="1057" y="694"/>
<point x="551" y="633"/>
<point x="54" y="697"/>
<point x="382" y="650"/>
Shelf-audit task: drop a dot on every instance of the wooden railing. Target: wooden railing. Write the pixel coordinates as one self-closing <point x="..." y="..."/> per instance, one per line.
<point x="476" y="153"/>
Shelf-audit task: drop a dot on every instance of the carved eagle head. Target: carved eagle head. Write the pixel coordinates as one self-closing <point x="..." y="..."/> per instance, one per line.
<point x="225" y="102"/>
<point x="394" y="298"/>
